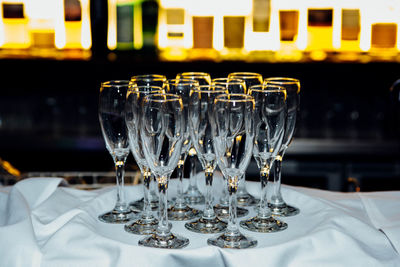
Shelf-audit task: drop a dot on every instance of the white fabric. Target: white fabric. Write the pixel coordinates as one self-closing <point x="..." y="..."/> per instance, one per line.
<point x="43" y="223"/>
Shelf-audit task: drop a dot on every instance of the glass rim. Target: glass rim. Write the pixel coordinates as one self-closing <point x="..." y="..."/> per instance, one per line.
<point x="115" y="83"/>
<point x="228" y="80"/>
<point x="157" y="88"/>
<point x="245" y="74"/>
<point x="283" y="80"/>
<point x="148" y="77"/>
<point x="262" y="87"/>
<point x="182" y="81"/>
<point x="199" y="89"/>
<point x="193" y="73"/>
<point x="266" y="91"/>
<point x="167" y="97"/>
<point x="245" y="98"/>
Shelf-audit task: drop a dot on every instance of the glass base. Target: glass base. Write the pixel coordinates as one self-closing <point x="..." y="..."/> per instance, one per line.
<point x="115" y="216"/>
<point x="137" y="206"/>
<point x="263" y="225"/>
<point x="182" y="213"/>
<point x="206" y="226"/>
<point x="283" y="210"/>
<point x="222" y="211"/>
<point x="169" y="241"/>
<point x="193" y="196"/>
<point x="246" y="199"/>
<point x="237" y="240"/>
<point x="142" y="226"/>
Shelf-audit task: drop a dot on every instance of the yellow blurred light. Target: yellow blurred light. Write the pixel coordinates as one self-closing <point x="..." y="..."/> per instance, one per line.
<point x="289" y="29"/>
<point x="45" y="25"/>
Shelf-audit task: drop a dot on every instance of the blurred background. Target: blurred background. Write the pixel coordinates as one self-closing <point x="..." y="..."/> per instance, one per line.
<point x="55" y="53"/>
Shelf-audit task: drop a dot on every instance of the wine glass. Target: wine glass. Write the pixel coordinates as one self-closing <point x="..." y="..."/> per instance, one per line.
<point x="115" y="133"/>
<point x="157" y="80"/>
<point x="193" y="195"/>
<point x="147" y="222"/>
<point x="292" y="86"/>
<point x="250" y="78"/>
<point x="180" y="210"/>
<point x="233" y="128"/>
<point x="269" y="121"/>
<point x="200" y="112"/>
<point x="162" y="132"/>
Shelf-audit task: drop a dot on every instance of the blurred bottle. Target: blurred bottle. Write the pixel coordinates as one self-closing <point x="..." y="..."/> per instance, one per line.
<point x="14" y="26"/>
<point x="132" y="24"/>
<point x="149" y="22"/>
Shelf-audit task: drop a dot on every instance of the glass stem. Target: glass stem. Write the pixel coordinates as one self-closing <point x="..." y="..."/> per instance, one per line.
<point x="232" y="228"/>
<point x="208" y="212"/>
<point x="264" y="211"/>
<point x="242" y="185"/>
<point x="147" y="177"/>
<point x="180" y="201"/>
<point x="153" y="189"/>
<point x="121" y="204"/>
<point x="224" y="198"/>
<point x="192" y="178"/>
<point x="276" y="197"/>
<point x="163" y="228"/>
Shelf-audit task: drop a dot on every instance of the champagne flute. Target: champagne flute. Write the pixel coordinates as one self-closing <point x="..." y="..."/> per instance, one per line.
<point x="233" y="127"/>
<point x="269" y="121"/>
<point x="180" y="210"/>
<point x="193" y="195"/>
<point x="162" y="133"/>
<point x="292" y="86"/>
<point x="250" y="78"/>
<point x="115" y="133"/>
<point x="232" y="85"/>
<point x="157" y="80"/>
<point x="147" y="222"/>
<point x="200" y="116"/>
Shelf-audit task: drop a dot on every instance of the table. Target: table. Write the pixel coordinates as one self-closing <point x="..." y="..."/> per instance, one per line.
<point x="46" y="222"/>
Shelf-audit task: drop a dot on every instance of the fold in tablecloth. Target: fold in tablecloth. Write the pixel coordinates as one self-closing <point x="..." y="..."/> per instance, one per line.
<point x="43" y="223"/>
<point x="383" y="209"/>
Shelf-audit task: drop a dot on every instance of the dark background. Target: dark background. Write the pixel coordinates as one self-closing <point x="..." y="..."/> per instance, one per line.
<point x="48" y="116"/>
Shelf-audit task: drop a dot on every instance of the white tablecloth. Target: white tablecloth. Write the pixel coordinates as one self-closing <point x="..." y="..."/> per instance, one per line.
<point x="44" y="223"/>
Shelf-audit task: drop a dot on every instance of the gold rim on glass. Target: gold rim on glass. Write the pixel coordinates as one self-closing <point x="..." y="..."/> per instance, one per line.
<point x="160" y="98"/>
<point x="149" y="77"/>
<point x="181" y="81"/>
<point x="115" y="83"/>
<point x="194" y="74"/>
<point x="245" y="75"/>
<point x="228" y="98"/>
<point x="283" y="81"/>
